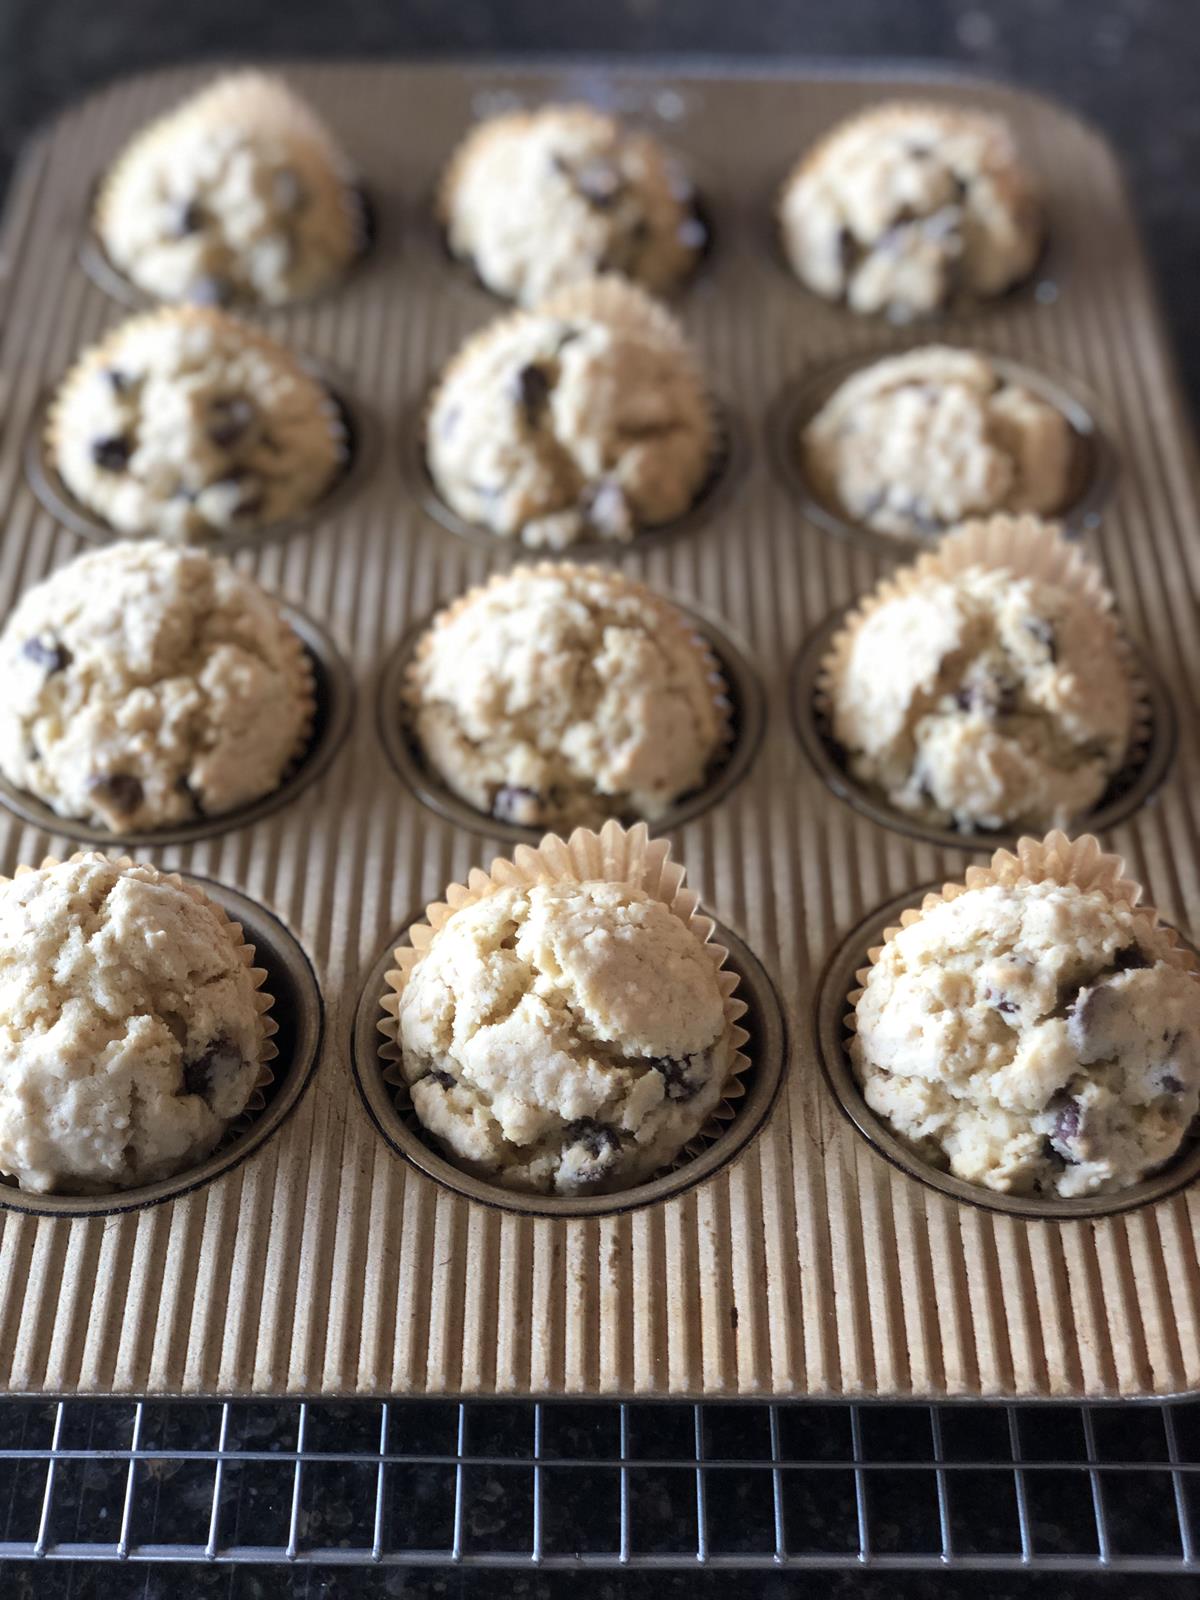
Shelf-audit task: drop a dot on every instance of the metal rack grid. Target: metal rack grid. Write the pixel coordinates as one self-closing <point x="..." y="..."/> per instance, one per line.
<point x="559" y="1485"/>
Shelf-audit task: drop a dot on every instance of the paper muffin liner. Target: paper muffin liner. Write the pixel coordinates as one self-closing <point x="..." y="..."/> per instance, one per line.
<point x="627" y="308"/>
<point x="671" y="620"/>
<point x="1028" y="547"/>
<point x="1053" y="859"/>
<point x="259" y="101"/>
<point x="103" y="353"/>
<point x="614" y="855"/>
<point x="263" y="1001"/>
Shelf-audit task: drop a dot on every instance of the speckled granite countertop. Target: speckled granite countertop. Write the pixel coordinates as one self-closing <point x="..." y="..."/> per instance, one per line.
<point x="1132" y="66"/>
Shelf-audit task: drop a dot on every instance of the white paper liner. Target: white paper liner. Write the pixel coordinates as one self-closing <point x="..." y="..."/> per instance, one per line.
<point x="614" y="855"/>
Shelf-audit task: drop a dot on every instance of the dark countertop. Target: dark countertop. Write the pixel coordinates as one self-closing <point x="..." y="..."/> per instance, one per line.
<point x="1132" y="66"/>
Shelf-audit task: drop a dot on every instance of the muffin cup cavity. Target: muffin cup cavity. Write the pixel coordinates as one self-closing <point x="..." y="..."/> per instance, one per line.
<point x="991" y="544"/>
<point x="106" y="275"/>
<point x="751" y="1009"/>
<point x="1093" y="468"/>
<point x="331" y="712"/>
<point x="1056" y="858"/>
<point x="292" y="1021"/>
<point x="357" y="452"/>
<point x="730" y="452"/>
<point x="744" y="707"/>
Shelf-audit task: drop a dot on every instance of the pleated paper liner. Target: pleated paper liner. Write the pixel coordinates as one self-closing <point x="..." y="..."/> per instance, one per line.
<point x="256" y="99"/>
<point x="346" y="425"/>
<point x="687" y="182"/>
<point x="248" y="1129"/>
<point x="961" y="303"/>
<point x="626" y="307"/>
<point x="1056" y="859"/>
<point x="799" y="401"/>
<point x="613" y="855"/>
<point x="737" y="696"/>
<point x="1028" y="548"/>
<point x="327" y="689"/>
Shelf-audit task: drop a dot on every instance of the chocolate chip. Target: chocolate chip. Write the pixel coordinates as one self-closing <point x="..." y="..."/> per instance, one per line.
<point x="54" y="657"/>
<point x="1066" y="1127"/>
<point x="191" y="218"/>
<point x="607" y="509"/>
<point x="599" y="183"/>
<point x="849" y="252"/>
<point x="1043" y="632"/>
<point x="1170" y="1084"/>
<point x="221" y="1059"/>
<point x="229" y="419"/>
<point x="211" y="290"/>
<point x="119" y="382"/>
<point x="112" y="453"/>
<point x="512" y="803"/>
<point x="446" y="1079"/>
<point x="288" y="190"/>
<point x="679" y="1085"/>
<point x="120" y="790"/>
<point x="991" y="696"/>
<point x="1005" y="1006"/>
<point x="532" y="390"/>
<point x="1089" y="1018"/>
<point x="596" y="1138"/>
<point x="1131" y="959"/>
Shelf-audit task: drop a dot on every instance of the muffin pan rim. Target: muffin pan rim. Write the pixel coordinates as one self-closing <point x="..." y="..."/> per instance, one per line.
<point x="277" y="949"/>
<point x="1141" y="789"/>
<point x="800" y="397"/>
<point x="406" y="760"/>
<point x="838" y="978"/>
<point x="768" y="1048"/>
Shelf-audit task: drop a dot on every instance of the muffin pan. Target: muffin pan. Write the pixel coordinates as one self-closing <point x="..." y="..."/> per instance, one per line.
<point x="807" y="1263"/>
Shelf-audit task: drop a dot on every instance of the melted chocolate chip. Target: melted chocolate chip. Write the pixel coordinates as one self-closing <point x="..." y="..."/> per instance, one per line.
<point x="1005" y="1006"/>
<point x="532" y="390"/>
<point x="229" y="419"/>
<point x="514" y="804"/>
<point x="1043" y="632"/>
<point x="191" y="218"/>
<point x="446" y="1079"/>
<point x="112" y="453"/>
<point x="679" y="1085"/>
<point x="1170" y="1084"/>
<point x="598" y="1140"/>
<point x="1066" y="1127"/>
<point x="1130" y="959"/>
<point x="221" y="1059"/>
<point x="54" y="657"/>
<point x="120" y="790"/>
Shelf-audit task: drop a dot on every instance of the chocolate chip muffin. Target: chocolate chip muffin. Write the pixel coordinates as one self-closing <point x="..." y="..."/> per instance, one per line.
<point x="555" y="696"/>
<point x="906" y="208"/>
<point x="131" y="1026"/>
<point x="980" y="699"/>
<point x="1033" y="1038"/>
<point x="914" y="443"/>
<point x="189" y="425"/>
<point x="240" y="194"/>
<point x="144" y="685"/>
<point x="564" y="1038"/>
<point x="534" y="200"/>
<point x="585" y="419"/>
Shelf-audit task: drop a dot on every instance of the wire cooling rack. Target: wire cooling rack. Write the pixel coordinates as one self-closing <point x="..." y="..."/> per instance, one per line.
<point x="595" y="1485"/>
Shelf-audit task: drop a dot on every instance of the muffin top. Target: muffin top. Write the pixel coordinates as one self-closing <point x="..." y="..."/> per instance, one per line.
<point x="130" y="1026"/>
<point x="146" y="685"/>
<point x="587" y="419"/>
<point x="190" y="425"/>
<point x="561" y="695"/>
<point x="567" y="1038"/>
<point x="978" y="699"/>
<point x="239" y="194"/>
<point x="914" y="443"/>
<point x="905" y="208"/>
<point x="1034" y="1038"/>
<point x="538" y="199"/>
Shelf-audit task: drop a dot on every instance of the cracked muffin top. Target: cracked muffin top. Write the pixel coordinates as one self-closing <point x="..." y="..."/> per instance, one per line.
<point x="131" y="1032"/>
<point x="567" y="1038"/>
<point x="587" y="419"/>
<point x="238" y="195"/>
<point x="535" y="200"/>
<point x="145" y="685"/>
<point x="906" y="208"/>
<point x="1034" y="1038"/>
<point x="189" y="425"/>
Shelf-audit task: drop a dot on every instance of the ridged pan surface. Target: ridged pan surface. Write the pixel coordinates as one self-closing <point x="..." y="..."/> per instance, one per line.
<point x="324" y="1263"/>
